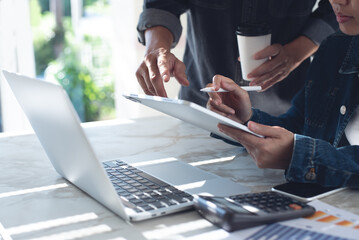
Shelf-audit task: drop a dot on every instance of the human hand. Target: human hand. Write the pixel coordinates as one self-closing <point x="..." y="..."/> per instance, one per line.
<point x="156" y="68"/>
<point x="282" y="60"/>
<point x="278" y="67"/>
<point x="273" y="151"/>
<point x="234" y="104"/>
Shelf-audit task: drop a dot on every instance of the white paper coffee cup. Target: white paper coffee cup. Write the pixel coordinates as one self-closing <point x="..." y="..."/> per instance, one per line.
<point x="252" y="38"/>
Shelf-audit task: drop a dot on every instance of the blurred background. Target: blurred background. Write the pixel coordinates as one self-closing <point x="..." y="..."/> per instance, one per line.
<point x="90" y="47"/>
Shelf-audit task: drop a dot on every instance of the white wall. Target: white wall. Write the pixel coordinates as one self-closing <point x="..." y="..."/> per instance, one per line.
<point x="16" y="55"/>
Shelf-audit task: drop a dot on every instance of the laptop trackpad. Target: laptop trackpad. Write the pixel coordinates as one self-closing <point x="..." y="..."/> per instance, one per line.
<point x="192" y="179"/>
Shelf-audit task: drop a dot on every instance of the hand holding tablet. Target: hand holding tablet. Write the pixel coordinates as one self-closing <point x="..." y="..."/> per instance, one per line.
<point x="190" y="112"/>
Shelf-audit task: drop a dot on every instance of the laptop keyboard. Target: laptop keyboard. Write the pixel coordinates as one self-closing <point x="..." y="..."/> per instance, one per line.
<point x="141" y="191"/>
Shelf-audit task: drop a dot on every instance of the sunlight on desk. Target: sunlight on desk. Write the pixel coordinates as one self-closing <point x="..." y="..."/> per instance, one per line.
<point x="33" y="190"/>
<point x="80" y="233"/>
<point x="153" y="162"/>
<point x="15" y="133"/>
<point x="211" y="161"/>
<point x="212" y="235"/>
<point x="177" y="229"/>
<point x="193" y="185"/>
<point x="52" y="223"/>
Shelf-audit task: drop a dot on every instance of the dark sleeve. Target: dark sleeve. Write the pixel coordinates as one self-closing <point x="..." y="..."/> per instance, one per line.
<point x="165" y="13"/>
<point x="321" y="23"/>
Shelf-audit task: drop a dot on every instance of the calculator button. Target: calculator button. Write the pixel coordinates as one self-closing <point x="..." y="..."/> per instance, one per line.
<point x="295" y="206"/>
<point x="270" y="202"/>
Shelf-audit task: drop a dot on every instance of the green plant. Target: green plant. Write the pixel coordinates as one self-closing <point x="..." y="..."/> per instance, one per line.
<point x="58" y="56"/>
<point x="43" y="36"/>
<point x="91" y="101"/>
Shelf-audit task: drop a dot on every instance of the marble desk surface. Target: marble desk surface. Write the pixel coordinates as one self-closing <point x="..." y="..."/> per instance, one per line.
<point x="36" y="203"/>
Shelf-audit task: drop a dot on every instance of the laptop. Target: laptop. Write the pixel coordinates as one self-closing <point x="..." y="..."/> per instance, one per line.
<point x="135" y="189"/>
<point x="190" y="112"/>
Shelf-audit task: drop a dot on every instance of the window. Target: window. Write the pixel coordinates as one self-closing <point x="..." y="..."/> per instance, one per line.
<point x="89" y="46"/>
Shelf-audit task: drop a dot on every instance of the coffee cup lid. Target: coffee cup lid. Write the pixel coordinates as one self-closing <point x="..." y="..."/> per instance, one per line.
<point x="253" y="29"/>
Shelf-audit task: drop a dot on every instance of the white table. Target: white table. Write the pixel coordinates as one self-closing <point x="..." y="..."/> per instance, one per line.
<point x="35" y="202"/>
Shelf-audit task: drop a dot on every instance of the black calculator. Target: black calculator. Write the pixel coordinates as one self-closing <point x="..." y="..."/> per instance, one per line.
<point x="251" y="209"/>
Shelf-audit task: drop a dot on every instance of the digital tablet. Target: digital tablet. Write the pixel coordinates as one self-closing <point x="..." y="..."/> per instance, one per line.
<point x="189" y="112"/>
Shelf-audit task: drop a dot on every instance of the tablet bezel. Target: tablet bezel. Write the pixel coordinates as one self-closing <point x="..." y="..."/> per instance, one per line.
<point x="189" y="112"/>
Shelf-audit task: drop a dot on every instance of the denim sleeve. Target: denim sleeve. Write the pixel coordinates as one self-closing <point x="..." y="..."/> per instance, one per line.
<point x="165" y="13"/>
<point x="292" y="120"/>
<point x="317" y="161"/>
<point x="321" y="23"/>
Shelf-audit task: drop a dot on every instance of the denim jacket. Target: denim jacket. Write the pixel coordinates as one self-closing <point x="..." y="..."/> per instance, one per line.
<point x="319" y="115"/>
<point x="211" y="46"/>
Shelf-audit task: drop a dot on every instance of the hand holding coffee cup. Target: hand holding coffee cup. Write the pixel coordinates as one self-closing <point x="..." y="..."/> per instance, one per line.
<point x="252" y="38"/>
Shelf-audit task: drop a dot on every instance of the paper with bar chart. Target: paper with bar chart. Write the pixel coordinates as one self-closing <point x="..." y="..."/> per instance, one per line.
<point x="327" y="223"/>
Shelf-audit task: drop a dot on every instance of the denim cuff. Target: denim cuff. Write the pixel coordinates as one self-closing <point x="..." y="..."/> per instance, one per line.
<point x="156" y="17"/>
<point x="301" y="168"/>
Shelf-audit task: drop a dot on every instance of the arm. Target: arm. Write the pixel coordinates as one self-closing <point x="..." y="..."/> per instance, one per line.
<point x="159" y="29"/>
<point x="284" y="59"/>
<point x="165" y="13"/>
<point x="157" y="37"/>
<point x="326" y="164"/>
<point x="236" y="105"/>
<point x="321" y="23"/>
<point x="305" y="159"/>
<point x="159" y="63"/>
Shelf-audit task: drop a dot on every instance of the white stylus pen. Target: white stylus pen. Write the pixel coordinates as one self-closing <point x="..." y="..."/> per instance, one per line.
<point x="247" y="88"/>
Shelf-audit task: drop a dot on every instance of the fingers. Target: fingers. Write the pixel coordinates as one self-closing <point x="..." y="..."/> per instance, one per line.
<point x="273" y="151"/>
<point x="277" y="60"/>
<point x="264" y="130"/>
<point x="220" y="81"/>
<point x="269" y="83"/>
<point x="220" y="108"/>
<point x="155" y="79"/>
<point x="157" y="68"/>
<point x="276" y="69"/>
<point x="164" y="67"/>
<point x="268" y="76"/>
<point x="270" y="66"/>
<point x="270" y="51"/>
<point x="248" y="140"/>
<point x="234" y="104"/>
<point x="179" y="72"/>
<point x="144" y="80"/>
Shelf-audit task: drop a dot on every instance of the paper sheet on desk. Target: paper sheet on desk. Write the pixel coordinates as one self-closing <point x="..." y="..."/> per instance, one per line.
<point x="327" y="223"/>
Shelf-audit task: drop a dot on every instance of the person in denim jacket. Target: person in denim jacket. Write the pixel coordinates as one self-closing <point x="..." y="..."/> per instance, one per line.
<point x="317" y="140"/>
<point x="211" y="45"/>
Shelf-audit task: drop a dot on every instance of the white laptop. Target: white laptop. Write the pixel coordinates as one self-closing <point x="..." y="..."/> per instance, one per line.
<point x="190" y="112"/>
<point x="132" y="193"/>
